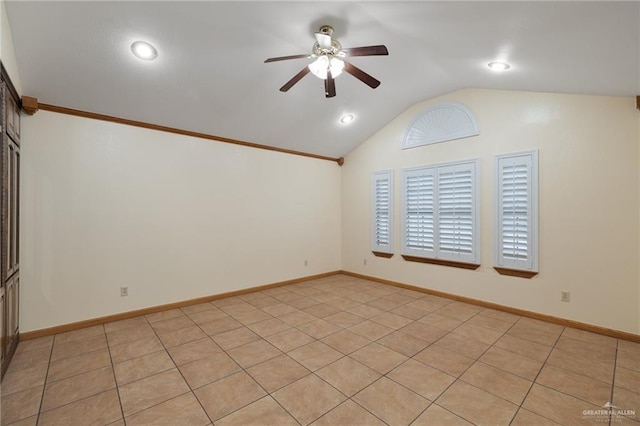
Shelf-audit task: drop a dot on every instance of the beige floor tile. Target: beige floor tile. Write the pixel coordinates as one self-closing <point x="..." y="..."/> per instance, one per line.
<point x="422" y="379"/>
<point x="429" y="303"/>
<point x="269" y="327"/>
<point x="228" y="395"/>
<point x="365" y="311"/>
<point x="348" y="375"/>
<point x="219" y="325"/>
<point x="100" y="409"/>
<point x="321" y="310"/>
<point x="625" y="378"/>
<point x="627" y="400"/>
<point x="409" y="312"/>
<point x="383" y="304"/>
<point x="444" y="360"/>
<point x="631" y="348"/>
<point x="423" y="331"/>
<point x="627" y="358"/>
<point x="184" y="335"/>
<point x="308" y="398"/>
<point x="289" y="339"/>
<point x="513" y="363"/>
<point x="206" y="316"/>
<point x="527" y="418"/>
<point x="182" y="410"/>
<point x="440" y="321"/>
<point x="164" y="315"/>
<point x="228" y="301"/>
<point x="400" y="298"/>
<point x="403" y="343"/>
<point x="19" y="380"/>
<point x="348" y="413"/>
<point x="541" y="325"/>
<point x="462" y="345"/>
<point x="253" y="353"/>
<point x="251" y="317"/>
<point x="80" y="334"/>
<point x="110" y="327"/>
<point x="481" y="334"/>
<point x="67" y="367"/>
<point x="371" y="330"/>
<point x="33" y="344"/>
<point x="343" y="303"/>
<point x="394" y="404"/>
<point x="279" y="309"/>
<point x="344" y="319"/>
<point x="598" y="370"/>
<point x="460" y="311"/>
<point x="438" y="416"/>
<point x="150" y="391"/>
<point x="200" y="307"/>
<point x="575" y="384"/>
<point x="534" y="334"/>
<point x="29" y="421"/>
<point x="319" y="328"/>
<point x="277" y="372"/>
<point x="138" y="348"/>
<point x="302" y="302"/>
<point x="141" y="367"/>
<point x="172" y="324"/>
<point x="604" y="353"/>
<point x="193" y="351"/>
<point x="589" y="337"/>
<point x="498" y="382"/>
<point x="234" y="338"/>
<point x="345" y="341"/>
<point x="209" y="369"/>
<point x="554" y="405"/>
<point x="127" y="335"/>
<point x="263" y="412"/>
<point x="78" y="347"/>
<point x="315" y="355"/>
<point x="378" y="357"/>
<point x="21" y="405"/>
<point x="491" y="323"/>
<point x="523" y="347"/>
<point x="392" y="320"/>
<point x="264" y="302"/>
<point x="77" y="387"/>
<point x="476" y="405"/>
<point x="297" y="318"/>
<point x="501" y="315"/>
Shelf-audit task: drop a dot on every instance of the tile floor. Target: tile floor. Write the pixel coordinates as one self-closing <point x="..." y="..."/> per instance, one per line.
<point x="333" y="351"/>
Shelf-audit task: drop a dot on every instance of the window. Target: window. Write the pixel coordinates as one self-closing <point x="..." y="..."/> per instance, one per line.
<point x="516" y="227"/>
<point x="440" y="214"/>
<point x="382" y="213"/>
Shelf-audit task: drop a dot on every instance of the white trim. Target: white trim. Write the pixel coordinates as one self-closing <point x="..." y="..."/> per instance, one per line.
<point x="442" y="122"/>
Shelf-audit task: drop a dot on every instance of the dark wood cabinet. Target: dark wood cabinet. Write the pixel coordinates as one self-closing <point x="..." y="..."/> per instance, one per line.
<point x="10" y="220"/>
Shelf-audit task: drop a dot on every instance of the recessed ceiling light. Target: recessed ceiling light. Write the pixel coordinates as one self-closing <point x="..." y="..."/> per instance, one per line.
<point x="499" y="66"/>
<point x="347" y="118"/>
<point x="144" y="50"/>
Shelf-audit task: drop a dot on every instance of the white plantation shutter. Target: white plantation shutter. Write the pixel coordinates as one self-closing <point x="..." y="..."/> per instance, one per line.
<point x="516" y="211"/>
<point x="456" y="212"/>
<point x="439" y="212"/>
<point x="382" y="212"/>
<point x="419" y="212"/>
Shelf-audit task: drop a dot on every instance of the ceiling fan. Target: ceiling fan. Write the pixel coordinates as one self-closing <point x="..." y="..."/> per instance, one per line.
<point x="330" y="61"/>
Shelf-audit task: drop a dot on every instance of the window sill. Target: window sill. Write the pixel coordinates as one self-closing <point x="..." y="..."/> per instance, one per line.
<point x="382" y="254"/>
<point x="451" y="263"/>
<point x="515" y="272"/>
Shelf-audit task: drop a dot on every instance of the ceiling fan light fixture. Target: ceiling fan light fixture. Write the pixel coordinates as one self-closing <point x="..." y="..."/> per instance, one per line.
<point x="498" y="66"/>
<point x="323" y="63"/>
<point x="144" y="50"/>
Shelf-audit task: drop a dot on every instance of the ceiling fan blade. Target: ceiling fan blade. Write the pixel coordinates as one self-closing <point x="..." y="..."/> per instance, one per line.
<point x="324" y="40"/>
<point x="296" y="78"/>
<point x="329" y="86"/>
<point x="366" y="50"/>
<point x="286" y="58"/>
<point x="361" y="75"/>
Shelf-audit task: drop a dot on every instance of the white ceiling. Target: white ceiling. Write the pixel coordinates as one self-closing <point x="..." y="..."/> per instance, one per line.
<point x="210" y="76"/>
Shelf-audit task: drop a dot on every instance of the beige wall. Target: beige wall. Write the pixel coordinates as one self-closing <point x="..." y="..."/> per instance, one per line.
<point x="171" y="217"/>
<point x="589" y="192"/>
<point x="7" y="53"/>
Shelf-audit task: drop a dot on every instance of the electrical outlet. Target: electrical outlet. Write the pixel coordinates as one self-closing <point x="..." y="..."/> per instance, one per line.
<point x="124" y="291"/>
<point x="306" y="263"/>
<point x="565" y="296"/>
<point x="364" y="261"/>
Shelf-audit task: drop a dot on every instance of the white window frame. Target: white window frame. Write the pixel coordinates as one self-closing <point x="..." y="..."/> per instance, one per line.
<point x="435" y="251"/>
<point x="376" y="201"/>
<point x="529" y="160"/>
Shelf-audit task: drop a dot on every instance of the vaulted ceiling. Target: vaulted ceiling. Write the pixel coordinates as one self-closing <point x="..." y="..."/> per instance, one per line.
<point x="210" y="75"/>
